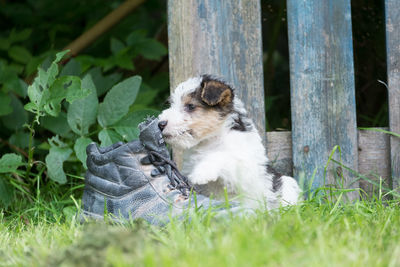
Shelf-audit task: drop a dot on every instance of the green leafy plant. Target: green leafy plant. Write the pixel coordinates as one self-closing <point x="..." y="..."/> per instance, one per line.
<point x="52" y="106"/>
<point x="70" y="107"/>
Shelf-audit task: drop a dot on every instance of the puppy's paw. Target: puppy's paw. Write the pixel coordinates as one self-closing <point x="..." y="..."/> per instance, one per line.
<point x="202" y="176"/>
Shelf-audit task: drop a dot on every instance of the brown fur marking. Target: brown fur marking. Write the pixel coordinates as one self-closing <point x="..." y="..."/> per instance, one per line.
<point x="205" y="122"/>
<point x="215" y="92"/>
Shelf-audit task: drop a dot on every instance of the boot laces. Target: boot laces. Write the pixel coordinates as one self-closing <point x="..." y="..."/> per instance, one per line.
<point x="177" y="180"/>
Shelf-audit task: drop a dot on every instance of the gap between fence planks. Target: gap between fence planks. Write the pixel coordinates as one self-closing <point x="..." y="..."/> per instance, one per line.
<point x="373" y="156"/>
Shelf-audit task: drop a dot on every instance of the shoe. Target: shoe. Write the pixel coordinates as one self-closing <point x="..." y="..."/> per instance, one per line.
<point x="138" y="180"/>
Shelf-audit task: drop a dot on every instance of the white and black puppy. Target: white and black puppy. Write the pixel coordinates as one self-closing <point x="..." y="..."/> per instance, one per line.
<point x="221" y="144"/>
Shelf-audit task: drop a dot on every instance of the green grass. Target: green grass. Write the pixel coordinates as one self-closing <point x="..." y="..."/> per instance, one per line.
<point x="365" y="233"/>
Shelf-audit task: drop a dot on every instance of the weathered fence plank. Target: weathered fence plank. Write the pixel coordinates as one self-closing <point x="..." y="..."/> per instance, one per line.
<point x="222" y="38"/>
<point x="322" y="87"/>
<point x="393" y="70"/>
<point x="279" y="147"/>
<point x="374" y="159"/>
<point x="374" y="154"/>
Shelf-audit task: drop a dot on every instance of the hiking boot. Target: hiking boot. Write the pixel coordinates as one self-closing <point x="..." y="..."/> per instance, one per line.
<point x="139" y="180"/>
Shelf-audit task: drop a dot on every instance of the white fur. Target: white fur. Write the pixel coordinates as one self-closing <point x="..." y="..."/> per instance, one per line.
<point x="235" y="158"/>
<point x="175" y="115"/>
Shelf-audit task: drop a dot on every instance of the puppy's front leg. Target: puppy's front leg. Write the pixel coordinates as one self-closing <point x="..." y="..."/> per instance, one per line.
<point x="207" y="170"/>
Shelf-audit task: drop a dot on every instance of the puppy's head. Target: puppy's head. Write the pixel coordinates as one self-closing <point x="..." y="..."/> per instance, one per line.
<point x="199" y="108"/>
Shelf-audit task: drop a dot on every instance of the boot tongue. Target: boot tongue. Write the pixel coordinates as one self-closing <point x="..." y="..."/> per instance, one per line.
<point x="151" y="138"/>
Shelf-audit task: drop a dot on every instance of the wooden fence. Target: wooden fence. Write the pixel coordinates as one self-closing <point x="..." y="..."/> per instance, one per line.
<point x="223" y="37"/>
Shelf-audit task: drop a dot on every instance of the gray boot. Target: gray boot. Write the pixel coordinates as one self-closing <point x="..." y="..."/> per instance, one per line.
<point x="139" y="180"/>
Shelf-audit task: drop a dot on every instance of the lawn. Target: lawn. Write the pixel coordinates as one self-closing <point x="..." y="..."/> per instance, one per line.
<point x="365" y="233"/>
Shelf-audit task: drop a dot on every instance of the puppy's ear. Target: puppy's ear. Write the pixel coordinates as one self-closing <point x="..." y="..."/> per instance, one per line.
<point x="215" y="92"/>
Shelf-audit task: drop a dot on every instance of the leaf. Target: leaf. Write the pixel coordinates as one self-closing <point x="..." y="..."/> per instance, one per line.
<point x="103" y="83"/>
<point x="151" y="49"/>
<point x="19" y="54"/>
<point x="35" y="90"/>
<point x="18" y="68"/>
<point x="148" y="48"/>
<point x="82" y="113"/>
<point x="5" y="104"/>
<point x="10" y="80"/>
<point x="68" y="87"/>
<point x="80" y="149"/>
<point x="117" y="101"/>
<point x="59" y="56"/>
<point x="146" y="95"/>
<point x="127" y="127"/>
<point x="75" y="91"/>
<point x="31" y="107"/>
<point x="61" y="86"/>
<point x="107" y="63"/>
<point x="116" y="46"/>
<point x="73" y="67"/>
<point x="20" y="88"/>
<point x="18" y="117"/>
<point x="56" y="142"/>
<point x="47" y="78"/>
<point x="19" y="36"/>
<point x="6" y="192"/>
<point x="20" y="139"/>
<point x="136" y="37"/>
<point x="124" y="61"/>
<point x="54" y="163"/>
<point x="4" y="44"/>
<point x="56" y="93"/>
<point x="108" y="137"/>
<point x="33" y="64"/>
<point x="38" y="91"/>
<point x="57" y="125"/>
<point x="86" y="62"/>
<point x="10" y="162"/>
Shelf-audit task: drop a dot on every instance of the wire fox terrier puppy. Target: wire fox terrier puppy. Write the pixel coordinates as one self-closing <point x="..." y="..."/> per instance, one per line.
<point x="221" y="146"/>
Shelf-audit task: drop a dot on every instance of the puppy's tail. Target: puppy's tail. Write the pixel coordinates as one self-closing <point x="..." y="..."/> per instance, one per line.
<point x="289" y="192"/>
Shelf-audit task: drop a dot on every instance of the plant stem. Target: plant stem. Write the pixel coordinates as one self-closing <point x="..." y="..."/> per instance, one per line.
<point x="30" y="149"/>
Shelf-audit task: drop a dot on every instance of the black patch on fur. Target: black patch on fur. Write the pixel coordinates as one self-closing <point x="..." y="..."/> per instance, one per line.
<point x="240" y="124"/>
<point x="276" y="179"/>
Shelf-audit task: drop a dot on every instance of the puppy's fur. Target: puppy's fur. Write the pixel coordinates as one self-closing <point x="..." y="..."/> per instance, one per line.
<point x="221" y="144"/>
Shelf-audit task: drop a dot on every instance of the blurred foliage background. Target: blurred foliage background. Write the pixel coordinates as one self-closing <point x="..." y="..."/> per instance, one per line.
<point x="33" y="31"/>
<point x="116" y="82"/>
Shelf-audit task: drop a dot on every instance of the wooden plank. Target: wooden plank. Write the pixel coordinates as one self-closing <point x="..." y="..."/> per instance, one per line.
<point x="221" y="38"/>
<point x="322" y="88"/>
<point x="279" y="147"/>
<point x="374" y="159"/>
<point x="393" y="70"/>
<point x="374" y="151"/>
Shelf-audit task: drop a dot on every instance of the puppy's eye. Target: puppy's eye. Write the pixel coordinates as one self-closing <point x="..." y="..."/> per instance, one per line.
<point x="190" y="107"/>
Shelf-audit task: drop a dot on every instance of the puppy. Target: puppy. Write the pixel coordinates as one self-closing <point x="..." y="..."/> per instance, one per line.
<point x="221" y="145"/>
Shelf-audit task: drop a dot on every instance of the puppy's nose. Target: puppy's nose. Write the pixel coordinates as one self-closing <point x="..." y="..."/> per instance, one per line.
<point x="162" y="124"/>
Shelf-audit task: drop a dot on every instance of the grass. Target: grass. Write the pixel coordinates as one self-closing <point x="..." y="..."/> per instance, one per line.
<point x="365" y="233"/>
